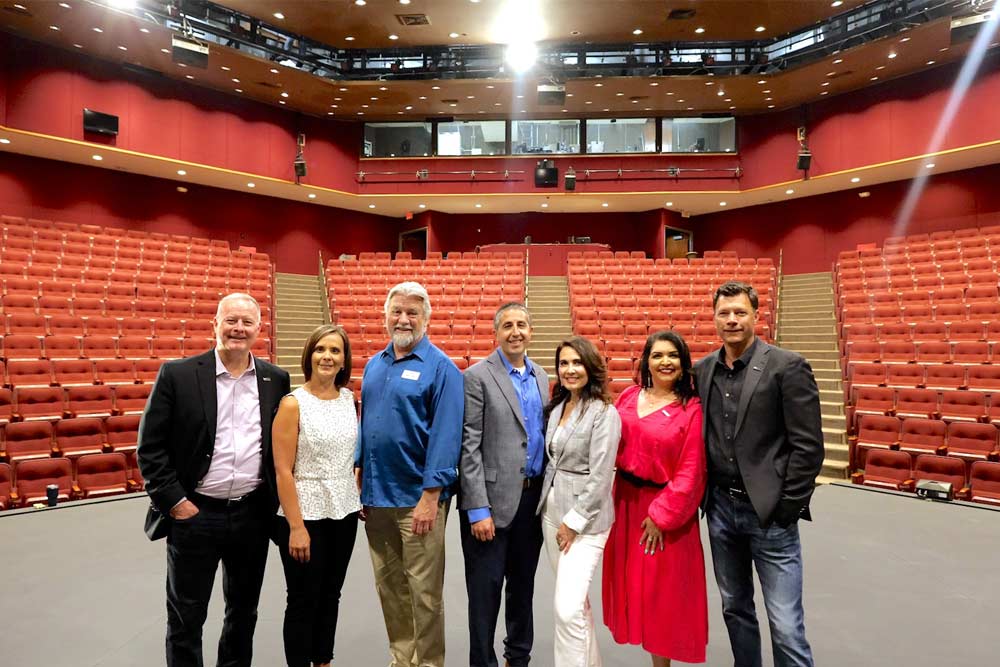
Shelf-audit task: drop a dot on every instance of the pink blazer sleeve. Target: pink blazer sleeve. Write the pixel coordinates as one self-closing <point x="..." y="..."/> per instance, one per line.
<point x="678" y="501"/>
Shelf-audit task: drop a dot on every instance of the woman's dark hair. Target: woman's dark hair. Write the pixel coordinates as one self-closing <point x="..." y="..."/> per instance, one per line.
<point x="344" y="374"/>
<point x="597" y="374"/>
<point x="685" y="387"/>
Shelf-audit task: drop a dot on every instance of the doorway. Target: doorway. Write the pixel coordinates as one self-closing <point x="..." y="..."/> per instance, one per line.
<point x="678" y="242"/>
<point x="414" y="242"/>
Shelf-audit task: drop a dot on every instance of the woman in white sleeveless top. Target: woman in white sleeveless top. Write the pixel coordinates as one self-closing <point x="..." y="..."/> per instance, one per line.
<point x="314" y="434"/>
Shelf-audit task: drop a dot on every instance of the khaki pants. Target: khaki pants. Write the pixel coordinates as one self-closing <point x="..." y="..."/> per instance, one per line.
<point x="409" y="576"/>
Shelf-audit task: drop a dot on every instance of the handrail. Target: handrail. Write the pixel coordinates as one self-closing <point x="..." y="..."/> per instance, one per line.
<point x="327" y="315"/>
<point x="422" y="174"/>
<point x="673" y="172"/>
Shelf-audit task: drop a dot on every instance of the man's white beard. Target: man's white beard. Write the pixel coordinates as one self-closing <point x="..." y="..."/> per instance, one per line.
<point x="407" y="339"/>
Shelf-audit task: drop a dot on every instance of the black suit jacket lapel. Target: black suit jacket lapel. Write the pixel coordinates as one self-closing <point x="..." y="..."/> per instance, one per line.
<point x="265" y="396"/>
<point x="755" y="370"/>
<point x="209" y="397"/>
<point x="499" y="374"/>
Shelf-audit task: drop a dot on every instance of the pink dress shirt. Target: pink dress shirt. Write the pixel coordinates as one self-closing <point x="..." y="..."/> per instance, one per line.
<point x="236" y="458"/>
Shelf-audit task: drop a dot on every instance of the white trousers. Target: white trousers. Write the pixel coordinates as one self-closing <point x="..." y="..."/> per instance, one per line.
<point x="575" y="638"/>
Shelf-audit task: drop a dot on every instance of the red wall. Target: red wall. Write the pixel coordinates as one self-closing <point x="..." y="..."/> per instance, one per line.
<point x="292" y="233"/>
<point x="812" y="230"/>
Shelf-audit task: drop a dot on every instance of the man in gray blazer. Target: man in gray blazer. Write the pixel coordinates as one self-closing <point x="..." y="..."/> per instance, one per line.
<point x="503" y="451"/>
<point x="764" y="443"/>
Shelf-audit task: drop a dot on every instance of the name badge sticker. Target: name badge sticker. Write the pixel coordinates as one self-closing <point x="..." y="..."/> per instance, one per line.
<point x="411" y="375"/>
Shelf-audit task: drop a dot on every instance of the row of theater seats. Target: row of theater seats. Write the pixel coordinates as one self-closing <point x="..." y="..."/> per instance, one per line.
<point x="918" y="322"/>
<point x="53" y="403"/>
<point x="93" y="325"/>
<point x="899" y="471"/>
<point x="25" y="483"/>
<point x="24" y="347"/>
<point x="69" y="437"/>
<point x="965" y="441"/>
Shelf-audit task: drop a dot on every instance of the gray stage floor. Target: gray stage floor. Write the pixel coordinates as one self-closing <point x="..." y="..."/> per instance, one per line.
<point x="889" y="581"/>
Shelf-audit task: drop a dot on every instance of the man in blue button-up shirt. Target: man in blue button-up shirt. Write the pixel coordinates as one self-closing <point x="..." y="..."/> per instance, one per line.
<point x="406" y="462"/>
<point x="503" y="457"/>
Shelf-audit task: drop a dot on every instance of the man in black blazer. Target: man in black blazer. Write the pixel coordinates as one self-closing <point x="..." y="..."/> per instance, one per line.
<point x="764" y="442"/>
<point x="205" y="453"/>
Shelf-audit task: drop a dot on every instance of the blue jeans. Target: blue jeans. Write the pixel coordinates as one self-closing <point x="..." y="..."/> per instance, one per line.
<point x="738" y="542"/>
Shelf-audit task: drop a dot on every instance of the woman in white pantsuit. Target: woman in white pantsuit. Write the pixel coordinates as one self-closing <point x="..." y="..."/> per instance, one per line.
<point x="576" y="507"/>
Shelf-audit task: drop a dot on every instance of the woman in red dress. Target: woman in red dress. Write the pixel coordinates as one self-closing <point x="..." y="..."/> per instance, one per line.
<point x="654" y="567"/>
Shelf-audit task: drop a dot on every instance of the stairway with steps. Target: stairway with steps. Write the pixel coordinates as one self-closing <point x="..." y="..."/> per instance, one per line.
<point x="807" y="325"/>
<point x="298" y="311"/>
<point x="548" y="301"/>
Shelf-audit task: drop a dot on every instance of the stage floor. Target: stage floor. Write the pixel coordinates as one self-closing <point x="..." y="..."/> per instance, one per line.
<point x="889" y="580"/>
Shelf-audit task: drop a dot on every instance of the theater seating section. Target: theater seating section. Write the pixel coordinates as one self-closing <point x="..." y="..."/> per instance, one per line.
<point x="618" y="298"/>
<point x="87" y="316"/>
<point x="919" y="322"/>
<point x="465" y="290"/>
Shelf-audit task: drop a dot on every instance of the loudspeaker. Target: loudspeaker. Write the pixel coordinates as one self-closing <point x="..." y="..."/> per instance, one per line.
<point x="570" y="180"/>
<point x="300" y="167"/>
<point x="805" y="159"/>
<point x="551" y="94"/>
<point x="546" y="174"/>
<point x="189" y="52"/>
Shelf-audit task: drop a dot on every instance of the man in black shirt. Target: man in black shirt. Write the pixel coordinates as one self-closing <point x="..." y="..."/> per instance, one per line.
<point x="764" y="445"/>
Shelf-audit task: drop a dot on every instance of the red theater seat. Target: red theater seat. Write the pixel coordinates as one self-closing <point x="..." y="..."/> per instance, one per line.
<point x="962" y="406"/>
<point x="70" y="372"/>
<point x="922" y="436"/>
<point x="38" y="403"/>
<point x="75" y="437"/>
<point x="89" y="401"/>
<point x="34" y="476"/>
<point x="122" y="432"/>
<point x="874" y="432"/>
<point x="100" y="475"/>
<point x="27" y="440"/>
<point x="6" y="476"/>
<point x="131" y="399"/>
<point x="29" y="373"/>
<point x="973" y="441"/>
<point x="886" y="469"/>
<point x="913" y="402"/>
<point x="984" y="483"/>
<point x="941" y="469"/>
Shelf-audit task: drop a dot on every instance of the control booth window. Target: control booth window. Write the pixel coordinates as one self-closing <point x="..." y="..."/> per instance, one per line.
<point x="699" y="135"/>
<point x="545" y="136"/>
<point x="397" y="140"/>
<point x="621" y="135"/>
<point x="486" y="137"/>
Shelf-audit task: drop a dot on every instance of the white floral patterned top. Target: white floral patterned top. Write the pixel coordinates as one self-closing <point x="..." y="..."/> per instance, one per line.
<point x="324" y="459"/>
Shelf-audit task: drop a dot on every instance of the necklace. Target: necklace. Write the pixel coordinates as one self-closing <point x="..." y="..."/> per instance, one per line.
<point x="653" y="397"/>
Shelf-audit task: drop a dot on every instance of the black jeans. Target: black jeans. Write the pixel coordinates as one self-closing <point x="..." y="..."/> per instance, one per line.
<point x="314" y="588"/>
<point x="511" y="555"/>
<point x="237" y="536"/>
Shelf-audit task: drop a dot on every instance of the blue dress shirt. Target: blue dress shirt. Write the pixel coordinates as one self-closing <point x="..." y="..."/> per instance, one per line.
<point x="526" y="388"/>
<point x="410" y="435"/>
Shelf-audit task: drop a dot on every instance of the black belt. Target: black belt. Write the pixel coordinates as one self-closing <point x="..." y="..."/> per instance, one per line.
<point x="733" y="490"/>
<point x="635" y="480"/>
<point x="222" y="504"/>
<point x="531" y="482"/>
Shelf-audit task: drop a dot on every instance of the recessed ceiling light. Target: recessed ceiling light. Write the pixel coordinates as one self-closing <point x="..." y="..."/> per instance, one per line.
<point x="699" y="30"/>
<point x="520" y="97"/>
<point x="404" y="2"/>
<point x="728" y="100"/>
<point x="432" y="88"/>
<point x="904" y="40"/>
<point x="722" y="203"/>
<point x="766" y="92"/>
<point x="181" y="172"/>
<point x="545" y="204"/>
<point x="892" y="55"/>
<point x="836" y="3"/>
<point x="770" y="106"/>
<point x="453" y="35"/>
<point x="604" y="204"/>
<point x="732" y="107"/>
<point x="284" y="94"/>
<point x="855" y="180"/>
<point x="874" y="78"/>
<point x="64" y="5"/>
<point x="97" y="157"/>
<point x="637" y="31"/>
<point x="709" y="83"/>
<point x="329" y="113"/>
<point x="181" y="65"/>
<point x="606" y="110"/>
<point x="496" y="104"/>
<point x="654" y="83"/>
<point x="279" y="16"/>
<point x="825" y="92"/>
<point x="422" y="97"/>
<point x="879" y="68"/>
<point x="943" y="49"/>
<point x="98" y="30"/>
<point x="479" y="205"/>
<point x="236" y="80"/>
<point x="239" y="90"/>
<point x="669" y="203"/>
<point x="588" y="102"/>
<point x="224" y="68"/>
<point x="371" y="205"/>
<point x="453" y="104"/>
<point x="4" y="140"/>
<point x="360" y="3"/>
<point x="470" y="97"/>
<point x="492" y="87"/>
<point x="337" y="99"/>
<point x="421" y="205"/>
<point x="408" y="107"/>
<point x="721" y="93"/>
<point x="274" y="70"/>
<point x="364" y="106"/>
<point x="80" y="46"/>
<point x="598" y="85"/>
<point x="680" y="101"/>
<point x="838" y="61"/>
<point x="361" y="113"/>
<point x="164" y="50"/>
<point x="929" y="165"/>
<point x="789" y="191"/>
<point x="669" y="93"/>
<point x="825" y="83"/>
<point x="619" y="94"/>
<point x="53" y="27"/>
<point x="312" y="195"/>
<point x="349" y="38"/>
<point x="393" y="36"/>
<point x="930" y="62"/>
<point x="865" y="194"/>
<point x="760" y="28"/>
<point x="181" y="189"/>
<point x="281" y="101"/>
<point x="189" y="76"/>
<point x="373" y="99"/>
<point x="569" y="94"/>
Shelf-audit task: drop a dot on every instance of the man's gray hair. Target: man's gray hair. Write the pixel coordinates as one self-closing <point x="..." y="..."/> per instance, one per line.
<point x="237" y="296"/>
<point x="410" y="288"/>
<point x="510" y="305"/>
